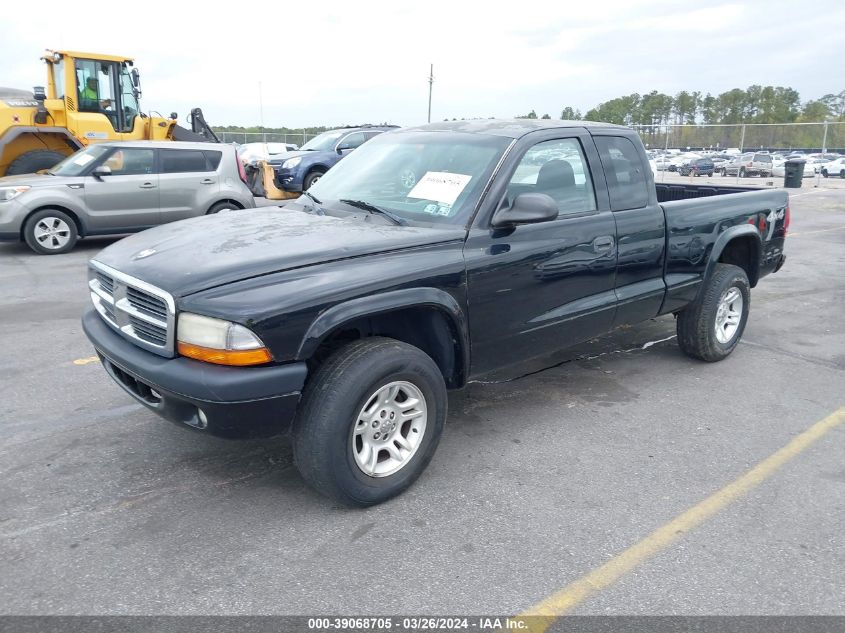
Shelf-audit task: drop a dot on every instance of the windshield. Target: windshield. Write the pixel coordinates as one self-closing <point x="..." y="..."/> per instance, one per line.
<point x="76" y="164"/>
<point x="324" y="142"/>
<point x="420" y="176"/>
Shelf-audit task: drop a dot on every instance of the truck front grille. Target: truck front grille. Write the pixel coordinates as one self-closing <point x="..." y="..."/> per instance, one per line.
<point x="141" y="313"/>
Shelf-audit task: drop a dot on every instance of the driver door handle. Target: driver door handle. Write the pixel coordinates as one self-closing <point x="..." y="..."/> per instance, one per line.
<point x="207" y="181"/>
<point x="147" y="185"/>
<point x="603" y="244"/>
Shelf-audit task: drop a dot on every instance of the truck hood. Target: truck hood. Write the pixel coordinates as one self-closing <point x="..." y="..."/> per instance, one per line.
<point x="278" y="159"/>
<point x="192" y="255"/>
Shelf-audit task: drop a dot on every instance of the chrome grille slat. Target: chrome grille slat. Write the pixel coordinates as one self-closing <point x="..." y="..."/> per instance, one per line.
<point x="140" y="312"/>
<point x="148" y="332"/>
<point x="146" y="302"/>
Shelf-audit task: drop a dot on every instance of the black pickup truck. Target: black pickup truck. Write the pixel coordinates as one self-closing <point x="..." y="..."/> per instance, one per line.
<point x="429" y="257"/>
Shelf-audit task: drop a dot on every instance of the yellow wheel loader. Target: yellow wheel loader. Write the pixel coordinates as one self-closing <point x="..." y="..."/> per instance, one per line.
<point x="88" y="98"/>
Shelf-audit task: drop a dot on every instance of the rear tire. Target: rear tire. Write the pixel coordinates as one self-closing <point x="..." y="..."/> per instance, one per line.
<point x="350" y="401"/>
<point x="36" y="160"/>
<point x="50" y="232"/>
<point x="710" y="328"/>
<point x="311" y="178"/>
<point x="842" y="174"/>
<point x="222" y="206"/>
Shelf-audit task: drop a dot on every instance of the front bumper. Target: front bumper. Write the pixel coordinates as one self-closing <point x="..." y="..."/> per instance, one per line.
<point x="288" y="179"/>
<point x="11" y="219"/>
<point x="223" y="401"/>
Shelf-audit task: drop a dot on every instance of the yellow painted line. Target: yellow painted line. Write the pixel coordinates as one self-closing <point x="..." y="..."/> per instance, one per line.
<point x="539" y="617"/>
<point x="85" y="361"/>
<point x="803" y="233"/>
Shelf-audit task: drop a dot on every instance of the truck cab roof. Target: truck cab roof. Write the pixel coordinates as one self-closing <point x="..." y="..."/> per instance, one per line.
<point x="510" y="128"/>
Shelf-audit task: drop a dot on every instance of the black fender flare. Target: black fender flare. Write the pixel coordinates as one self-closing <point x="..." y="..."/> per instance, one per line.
<point x="728" y="236"/>
<point x="19" y="130"/>
<point x="383" y="302"/>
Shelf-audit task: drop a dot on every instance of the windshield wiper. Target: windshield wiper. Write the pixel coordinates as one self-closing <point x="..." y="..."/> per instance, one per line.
<point x="366" y="206"/>
<point x="316" y="206"/>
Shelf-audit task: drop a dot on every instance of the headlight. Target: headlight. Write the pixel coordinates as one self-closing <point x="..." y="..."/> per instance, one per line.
<point x="290" y="163"/>
<point x="218" y="341"/>
<point x="7" y="193"/>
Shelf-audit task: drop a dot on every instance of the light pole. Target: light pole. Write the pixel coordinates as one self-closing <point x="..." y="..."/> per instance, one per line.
<point x="430" y="83"/>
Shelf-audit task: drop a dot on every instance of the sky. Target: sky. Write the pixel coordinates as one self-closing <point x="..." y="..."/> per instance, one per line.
<point x="336" y="62"/>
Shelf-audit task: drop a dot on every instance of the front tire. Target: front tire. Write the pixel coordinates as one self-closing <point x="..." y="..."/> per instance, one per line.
<point x="710" y="328"/>
<point x="367" y="389"/>
<point x="50" y="232"/>
<point x="311" y="178"/>
<point x="36" y="160"/>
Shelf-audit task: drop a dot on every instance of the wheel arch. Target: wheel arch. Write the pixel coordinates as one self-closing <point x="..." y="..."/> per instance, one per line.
<point x="16" y="133"/>
<point x="80" y="226"/>
<point x="740" y="246"/>
<point x="427" y="318"/>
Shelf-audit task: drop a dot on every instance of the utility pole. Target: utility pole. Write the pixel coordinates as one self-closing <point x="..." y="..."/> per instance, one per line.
<point x="261" y="114"/>
<point x="430" y="83"/>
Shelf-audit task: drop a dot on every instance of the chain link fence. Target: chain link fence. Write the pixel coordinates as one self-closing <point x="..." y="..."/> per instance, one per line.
<point x="808" y="137"/>
<point x="294" y="138"/>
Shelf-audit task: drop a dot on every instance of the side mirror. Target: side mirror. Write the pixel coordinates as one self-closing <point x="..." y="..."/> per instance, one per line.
<point x="342" y="147"/>
<point x="102" y="170"/>
<point x="527" y="208"/>
<point x="174" y="116"/>
<point x="136" y="78"/>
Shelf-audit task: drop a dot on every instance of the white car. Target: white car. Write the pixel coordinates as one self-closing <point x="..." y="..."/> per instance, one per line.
<point x="263" y="151"/>
<point x="779" y="171"/>
<point x="834" y="168"/>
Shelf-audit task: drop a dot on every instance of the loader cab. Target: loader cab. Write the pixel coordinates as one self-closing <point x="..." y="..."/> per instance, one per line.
<point x="99" y="93"/>
<point x="107" y="87"/>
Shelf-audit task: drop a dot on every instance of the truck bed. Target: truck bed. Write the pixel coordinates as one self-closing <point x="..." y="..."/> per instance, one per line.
<point x="667" y="192"/>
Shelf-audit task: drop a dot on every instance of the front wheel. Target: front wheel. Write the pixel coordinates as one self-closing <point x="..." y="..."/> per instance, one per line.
<point x="710" y="328"/>
<point x="311" y="178"/>
<point x="50" y="232"/>
<point x="370" y="421"/>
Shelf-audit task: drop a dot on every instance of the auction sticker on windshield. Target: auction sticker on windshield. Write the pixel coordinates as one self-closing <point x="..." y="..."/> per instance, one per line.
<point x="440" y="186"/>
<point x="83" y="159"/>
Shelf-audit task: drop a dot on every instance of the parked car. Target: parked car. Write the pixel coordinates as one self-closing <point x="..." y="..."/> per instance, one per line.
<point x="780" y="170"/>
<point x="749" y="164"/>
<point x="719" y="161"/>
<point x="125" y="187"/>
<point x="347" y="320"/>
<point x="697" y="167"/>
<point x="252" y="152"/>
<point x="298" y="171"/>
<point x="834" y="168"/>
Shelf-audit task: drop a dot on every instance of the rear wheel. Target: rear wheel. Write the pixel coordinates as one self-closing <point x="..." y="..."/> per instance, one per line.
<point x="370" y="421"/>
<point x="50" y="232"/>
<point x="311" y="178"/>
<point x="710" y="328"/>
<point x="222" y="206"/>
<point x="842" y="174"/>
<point x="824" y="173"/>
<point x="36" y="160"/>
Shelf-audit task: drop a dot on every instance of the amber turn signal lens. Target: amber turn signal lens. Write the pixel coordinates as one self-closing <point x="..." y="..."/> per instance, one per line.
<point x="238" y="358"/>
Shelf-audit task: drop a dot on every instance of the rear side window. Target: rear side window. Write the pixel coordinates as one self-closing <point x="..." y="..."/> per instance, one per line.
<point x="626" y="181"/>
<point x="763" y="158"/>
<point x="174" y="161"/>
<point x="212" y="159"/>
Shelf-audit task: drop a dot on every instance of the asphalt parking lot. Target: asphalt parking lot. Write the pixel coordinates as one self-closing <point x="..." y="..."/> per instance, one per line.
<point x="538" y="481"/>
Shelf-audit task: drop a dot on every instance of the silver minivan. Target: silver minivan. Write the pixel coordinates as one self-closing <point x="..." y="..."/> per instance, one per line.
<point x="121" y="187"/>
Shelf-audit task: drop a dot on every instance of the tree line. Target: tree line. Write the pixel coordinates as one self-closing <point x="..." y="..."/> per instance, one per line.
<point x="755" y="104"/>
